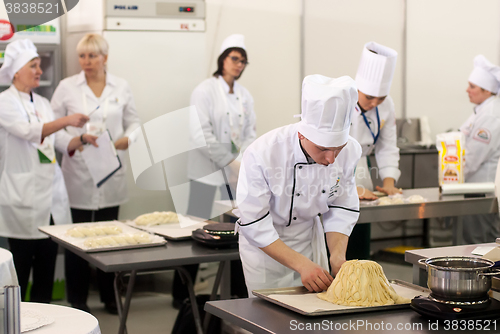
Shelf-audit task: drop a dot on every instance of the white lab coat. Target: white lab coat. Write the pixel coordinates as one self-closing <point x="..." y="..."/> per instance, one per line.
<point x="281" y="195"/>
<point x="121" y="120"/>
<point x="482" y="142"/>
<point x="482" y="151"/>
<point x="29" y="190"/>
<point x="386" y="149"/>
<point x="215" y="105"/>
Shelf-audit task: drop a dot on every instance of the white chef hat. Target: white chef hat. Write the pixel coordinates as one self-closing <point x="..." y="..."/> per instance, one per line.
<point x="233" y="41"/>
<point x="17" y="54"/>
<point x="327" y="106"/>
<point x="375" y="70"/>
<point x="485" y="74"/>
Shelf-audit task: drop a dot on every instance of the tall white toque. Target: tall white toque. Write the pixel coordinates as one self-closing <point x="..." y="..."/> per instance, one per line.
<point x="327" y="106"/>
<point x="17" y="54"/>
<point x="376" y="69"/>
<point x="485" y="74"/>
<point x="233" y="41"/>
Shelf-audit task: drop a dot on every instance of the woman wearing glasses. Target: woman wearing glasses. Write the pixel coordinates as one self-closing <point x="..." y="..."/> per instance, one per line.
<point x="225" y="111"/>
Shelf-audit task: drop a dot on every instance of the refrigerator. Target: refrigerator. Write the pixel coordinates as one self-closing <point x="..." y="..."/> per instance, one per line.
<point x="47" y="39"/>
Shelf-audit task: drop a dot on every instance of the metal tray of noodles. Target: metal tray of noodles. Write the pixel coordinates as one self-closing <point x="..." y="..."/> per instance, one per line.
<point x="299" y="300"/>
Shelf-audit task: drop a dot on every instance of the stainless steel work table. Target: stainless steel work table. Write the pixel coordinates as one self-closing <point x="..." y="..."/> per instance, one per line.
<point x="419" y="271"/>
<point x="436" y="206"/>
<point x="262" y="317"/>
<point x="173" y="255"/>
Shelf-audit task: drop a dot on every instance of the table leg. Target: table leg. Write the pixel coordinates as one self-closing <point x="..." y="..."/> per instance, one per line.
<point x="194" y="304"/>
<point x="123" y="309"/>
<point x="225" y="289"/>
<point x="218" y="278"/>
<point x="425" y="232"/>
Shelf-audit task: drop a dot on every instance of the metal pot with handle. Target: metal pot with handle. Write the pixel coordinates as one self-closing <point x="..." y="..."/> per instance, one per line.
<point x="459" y="279"/>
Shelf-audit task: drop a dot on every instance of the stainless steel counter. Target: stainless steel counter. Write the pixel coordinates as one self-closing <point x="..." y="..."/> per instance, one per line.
<point x="261" y="317"/>
<point x="436" y="206"/>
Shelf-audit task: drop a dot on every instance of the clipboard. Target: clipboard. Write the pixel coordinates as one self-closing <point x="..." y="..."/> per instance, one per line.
<point x="103" y="161"/>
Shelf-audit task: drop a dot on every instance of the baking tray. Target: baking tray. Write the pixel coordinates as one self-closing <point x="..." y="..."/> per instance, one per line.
<point x="300" y="295"/>
<point x="172" y="232"/>
<point x="59" y="232"/>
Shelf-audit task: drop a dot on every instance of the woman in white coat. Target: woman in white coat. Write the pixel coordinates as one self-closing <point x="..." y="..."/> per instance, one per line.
<point x="374" y="127"/>
<point x="292" y="176"/>
<point x="482" y="144"/>
<point x="110" y="105"/>
<point x="225" y="111"/>
<point x="32" y="190"/>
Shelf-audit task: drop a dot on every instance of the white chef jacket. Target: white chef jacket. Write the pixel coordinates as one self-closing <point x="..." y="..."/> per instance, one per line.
<point x="482" y="141"/>
<point x="215" y="106"/>
<point x="29" y="190"/>
<point x="280" y="194"/>
<point x="121" y="121"/>
<point x="386" y="149"/>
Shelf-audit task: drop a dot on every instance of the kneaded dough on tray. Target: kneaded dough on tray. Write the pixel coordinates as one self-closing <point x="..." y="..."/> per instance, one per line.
<point x="385" y="201"/>
<point x="142" y="238"/>
<point x="415" y="199"/>
<point x="157" y="218"/>
<point x="391" y="200"/>
<point x="92" y="231"/>
<point x="361" y="283"/>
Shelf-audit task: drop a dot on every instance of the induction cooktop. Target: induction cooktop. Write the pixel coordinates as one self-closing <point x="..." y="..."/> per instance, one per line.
<point x="436" y="310"/>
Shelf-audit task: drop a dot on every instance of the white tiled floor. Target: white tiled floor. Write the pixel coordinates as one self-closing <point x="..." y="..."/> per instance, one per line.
<point x="151" y="311"/>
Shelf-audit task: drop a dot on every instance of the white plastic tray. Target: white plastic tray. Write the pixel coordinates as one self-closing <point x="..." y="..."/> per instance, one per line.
<point x="59" y="232"/>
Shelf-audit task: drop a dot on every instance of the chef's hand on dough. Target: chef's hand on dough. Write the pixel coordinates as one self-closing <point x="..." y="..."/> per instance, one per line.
<point x="315" y="278"/>
<point x="364" y="193"/>
<point x="390" y="190"/>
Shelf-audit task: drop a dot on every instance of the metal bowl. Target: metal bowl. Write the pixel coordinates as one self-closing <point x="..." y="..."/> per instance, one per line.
<point x="454" y="278"/>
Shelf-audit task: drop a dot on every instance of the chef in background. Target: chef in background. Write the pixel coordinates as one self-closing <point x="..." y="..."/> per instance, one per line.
<point x="374" y="127"/>
<point x="292" y="177"/>
<point x="227" y="117"/>
<point x="32" y="190"/>
<point x="482" y="145"/>
<point x="109" y="103"/>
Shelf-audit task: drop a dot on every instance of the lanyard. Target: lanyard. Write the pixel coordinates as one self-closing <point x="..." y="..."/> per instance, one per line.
<point x="26" y="109"/>
<point x="86" y="111"/>
<point x="375" y="137"/>
<point x="226" y="107"/>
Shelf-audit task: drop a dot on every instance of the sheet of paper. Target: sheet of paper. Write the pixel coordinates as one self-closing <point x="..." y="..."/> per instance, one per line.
<point x="309" y="302"/>
<point x="101" y="161"/>
<point x="481" y="250"/>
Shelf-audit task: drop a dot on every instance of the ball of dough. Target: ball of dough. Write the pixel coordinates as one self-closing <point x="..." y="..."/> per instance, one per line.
<point x="384" y="201"/>
<point x="98" y="230"/>
<point x="416" y="199"/>
<point x="142" y="238"/>
<point x="75" y="232"/>
<point x="112" y="229"/>
<point x="90" y="243"/>
<point x="130" y="240"/>
<point x="120" y="240"/>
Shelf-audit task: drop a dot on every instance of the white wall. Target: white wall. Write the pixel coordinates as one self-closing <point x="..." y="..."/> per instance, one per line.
<point x="336" y="30"/>
<point x="443" y="38"/>
<point x="272" y="37"/>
